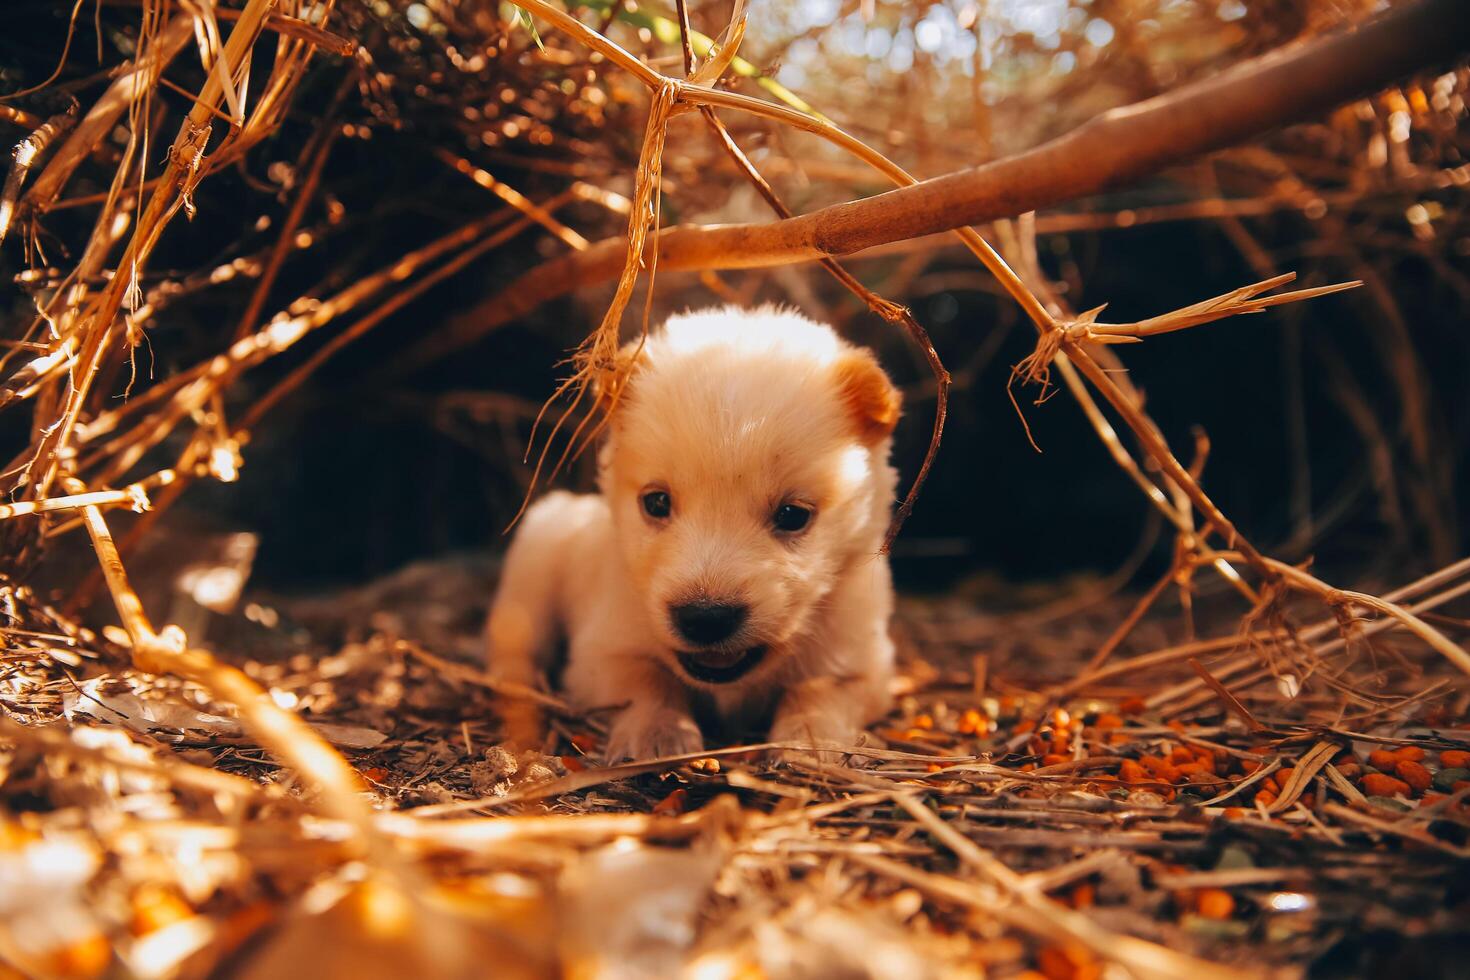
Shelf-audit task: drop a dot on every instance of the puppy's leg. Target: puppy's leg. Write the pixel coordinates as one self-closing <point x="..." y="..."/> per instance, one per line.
<point x="827" y="712"/>
<point x="657" y="721"/>
<point x="526" y="616"/>
<point x="848" y="686"/>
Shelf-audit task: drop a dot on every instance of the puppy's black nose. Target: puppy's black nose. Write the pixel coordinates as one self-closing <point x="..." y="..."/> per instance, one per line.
<point x="705" y="623"/>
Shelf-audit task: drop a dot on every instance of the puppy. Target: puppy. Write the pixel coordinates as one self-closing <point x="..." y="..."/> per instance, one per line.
<point x="730" y="566"/>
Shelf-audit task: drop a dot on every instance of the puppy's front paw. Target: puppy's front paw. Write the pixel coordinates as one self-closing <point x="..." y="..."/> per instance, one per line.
<point x="652" y="733"/>
<point x="831" y="740"/>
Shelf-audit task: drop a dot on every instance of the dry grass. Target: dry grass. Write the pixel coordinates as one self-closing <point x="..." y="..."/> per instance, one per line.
<point x="1000" y="821"/>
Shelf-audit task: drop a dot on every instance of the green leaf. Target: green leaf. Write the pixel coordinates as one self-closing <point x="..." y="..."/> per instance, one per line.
<point x="666" y="31"/>
<point x="519" y="17"/>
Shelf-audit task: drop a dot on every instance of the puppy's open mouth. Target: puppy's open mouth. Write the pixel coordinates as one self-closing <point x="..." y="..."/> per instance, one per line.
<point x="720" y="666"/>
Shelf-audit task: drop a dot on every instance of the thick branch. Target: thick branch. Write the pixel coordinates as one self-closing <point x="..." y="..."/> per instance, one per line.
<point x="1121" y="146"/>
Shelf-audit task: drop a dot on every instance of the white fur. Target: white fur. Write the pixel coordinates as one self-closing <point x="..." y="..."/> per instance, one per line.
<point x="733" y="412"/>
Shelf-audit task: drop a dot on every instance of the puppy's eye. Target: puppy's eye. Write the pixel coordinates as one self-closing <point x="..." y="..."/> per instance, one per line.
<point x="657" y="504"/>
<point x="791" y="517"/>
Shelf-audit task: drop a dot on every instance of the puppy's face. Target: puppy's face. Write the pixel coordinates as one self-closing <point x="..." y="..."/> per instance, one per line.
<point x="746" y="468"/>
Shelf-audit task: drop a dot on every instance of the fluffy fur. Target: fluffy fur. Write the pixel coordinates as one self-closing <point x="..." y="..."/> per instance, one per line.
<point x="734" y="416"/>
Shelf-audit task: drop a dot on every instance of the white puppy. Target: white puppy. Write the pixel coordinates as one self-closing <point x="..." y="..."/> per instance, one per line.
<point x="729" y="569"/>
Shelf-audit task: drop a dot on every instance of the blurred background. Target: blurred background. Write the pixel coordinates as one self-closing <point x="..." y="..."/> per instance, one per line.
<point x="1338" y="428"/>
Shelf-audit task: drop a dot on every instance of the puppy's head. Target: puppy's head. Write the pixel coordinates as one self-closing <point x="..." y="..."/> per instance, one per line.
<point x="746" y="467"/>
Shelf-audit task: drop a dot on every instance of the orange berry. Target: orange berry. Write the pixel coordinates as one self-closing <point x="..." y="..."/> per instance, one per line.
<point x="584" y="742"/>
<point x="1195" y="773"/>
<point x="573" y="763"/>
<point x="1350" y="770"/>
<point x="1109" y="721"/>
<point x="155" y="906"/>
<point x="87" y="957"/>
<point x="1055" y="965"/>
<point x="1377" y="784"/>
<point x="1454" y="759"/>
<point x="1410" y="753"/>
<point x="1415" y="774"/>
<point x="925" y="722"/>
<point x="1265" y="797"/>
<point x="1234" y="812"/>
<point x="1068" y="963"/>
<point x="1215" y="903"/>
<point x="1133" y="706"/>
<point x="1280" y="776"/>
<point x="1181" y="754"/>
<point x="1382" y="760"/>
<point x="1132" y="772"/>
<point x="1055" y="759"/>
<point x="1249" y="766"/>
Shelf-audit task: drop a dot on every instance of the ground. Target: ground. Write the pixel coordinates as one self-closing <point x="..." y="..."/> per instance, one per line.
<point x="1005" y="819"/>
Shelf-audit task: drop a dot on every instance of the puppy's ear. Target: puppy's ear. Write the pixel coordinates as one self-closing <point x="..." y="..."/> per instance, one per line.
<point x="871" y="400"/>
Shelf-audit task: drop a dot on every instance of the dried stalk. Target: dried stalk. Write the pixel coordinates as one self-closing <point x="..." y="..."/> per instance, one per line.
<point x="24" y="157"/>
<point x="119" y="454"/>
<point x="317" y="154"/>
<point x="1337" y="597"/>
<point x="133" y="83"/>
<point x="1115" y="149"/>
<point x="1144" y="663"/>
<point x="167" y="652"/>
<point x="173" y="192"/>
<point x="134" y="496"/>
<point x="1022" y="903"/>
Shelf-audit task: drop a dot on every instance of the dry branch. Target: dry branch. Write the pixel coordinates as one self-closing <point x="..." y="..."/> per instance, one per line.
<point x="1112" y="150"/>
<point x="167" y="651"/>
<point x="132" y="84"/>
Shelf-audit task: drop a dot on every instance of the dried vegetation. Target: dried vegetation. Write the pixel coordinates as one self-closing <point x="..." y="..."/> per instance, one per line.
<point x="1282" y="785"/>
